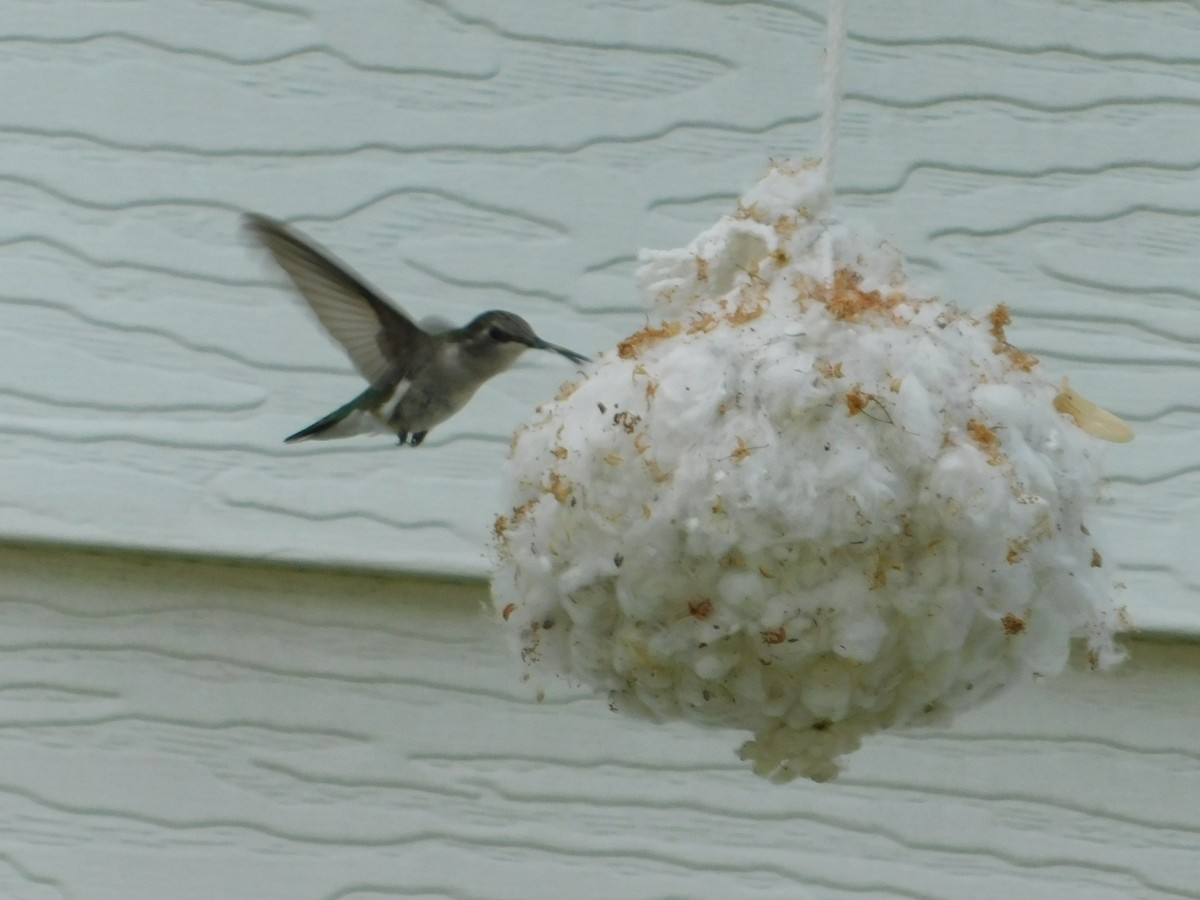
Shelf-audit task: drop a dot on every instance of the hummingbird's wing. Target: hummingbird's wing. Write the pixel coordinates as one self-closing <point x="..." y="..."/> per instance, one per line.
<point x="375" y="334"/>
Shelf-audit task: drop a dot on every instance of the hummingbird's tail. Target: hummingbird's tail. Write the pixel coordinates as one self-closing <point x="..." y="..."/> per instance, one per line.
<point x="349" y="419"/>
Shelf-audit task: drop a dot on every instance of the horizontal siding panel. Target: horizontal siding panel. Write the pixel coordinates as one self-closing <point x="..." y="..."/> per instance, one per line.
<point x="467" y="154"/>
<point x="195" y="730"/>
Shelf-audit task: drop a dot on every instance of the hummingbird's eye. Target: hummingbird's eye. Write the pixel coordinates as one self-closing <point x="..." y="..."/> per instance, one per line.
<point x="497" y="335"/>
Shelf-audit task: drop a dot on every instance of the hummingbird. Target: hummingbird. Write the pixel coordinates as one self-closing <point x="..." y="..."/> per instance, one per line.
<point x="418" y="375"/>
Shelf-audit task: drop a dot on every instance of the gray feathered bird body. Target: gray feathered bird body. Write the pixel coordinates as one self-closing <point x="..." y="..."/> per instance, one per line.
<point x="417" y="378"/>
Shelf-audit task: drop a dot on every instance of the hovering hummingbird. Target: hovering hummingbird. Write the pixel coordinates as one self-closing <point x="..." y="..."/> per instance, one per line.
<point x="419" y="376"/>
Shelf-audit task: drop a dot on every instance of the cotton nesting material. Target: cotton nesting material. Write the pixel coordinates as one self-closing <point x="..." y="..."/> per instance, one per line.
<point x="803" y="502"/>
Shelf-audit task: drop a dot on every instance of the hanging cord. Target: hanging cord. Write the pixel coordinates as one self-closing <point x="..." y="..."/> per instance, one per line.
<point x="835" y="51"/>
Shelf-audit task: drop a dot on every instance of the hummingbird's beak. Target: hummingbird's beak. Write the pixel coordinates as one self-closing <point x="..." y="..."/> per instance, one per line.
<point x="577" y="358"/>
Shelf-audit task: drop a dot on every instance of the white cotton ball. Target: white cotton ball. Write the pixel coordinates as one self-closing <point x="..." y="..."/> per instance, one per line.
<point x="803" y="502"/>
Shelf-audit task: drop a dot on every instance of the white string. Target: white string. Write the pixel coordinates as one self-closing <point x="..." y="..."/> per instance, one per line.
<point x="835" y="51"/>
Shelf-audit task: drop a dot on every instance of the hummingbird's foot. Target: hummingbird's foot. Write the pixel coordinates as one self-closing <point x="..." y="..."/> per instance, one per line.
<point x="418" y="437"/>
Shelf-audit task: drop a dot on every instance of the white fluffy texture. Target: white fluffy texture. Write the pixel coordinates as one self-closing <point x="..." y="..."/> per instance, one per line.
<point x="805" y="503"/>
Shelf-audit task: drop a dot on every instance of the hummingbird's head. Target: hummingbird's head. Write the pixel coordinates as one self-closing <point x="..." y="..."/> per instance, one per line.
<point x="501" y="337"/>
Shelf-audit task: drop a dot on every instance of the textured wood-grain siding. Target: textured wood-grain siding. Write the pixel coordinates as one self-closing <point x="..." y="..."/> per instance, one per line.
<point x="466" y="154"/>
<point x="196" y="730"/>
